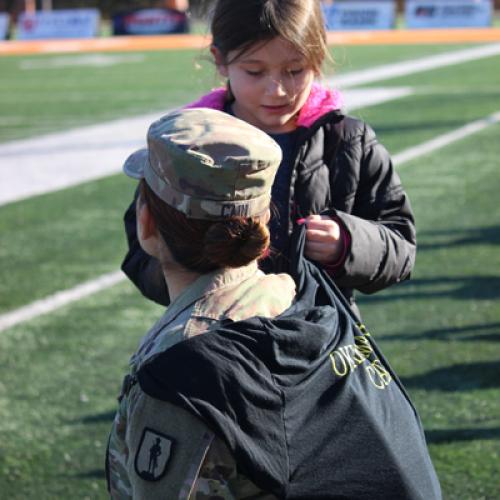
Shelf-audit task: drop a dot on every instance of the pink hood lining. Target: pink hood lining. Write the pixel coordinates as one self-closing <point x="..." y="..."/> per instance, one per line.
<point x="321" y="100"/>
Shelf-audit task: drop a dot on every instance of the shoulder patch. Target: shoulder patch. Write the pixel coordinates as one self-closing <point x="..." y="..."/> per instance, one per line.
<point x="153" y="455"/>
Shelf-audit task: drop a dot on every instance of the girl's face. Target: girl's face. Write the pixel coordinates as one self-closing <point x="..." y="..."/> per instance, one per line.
<point x="270" y="83"/>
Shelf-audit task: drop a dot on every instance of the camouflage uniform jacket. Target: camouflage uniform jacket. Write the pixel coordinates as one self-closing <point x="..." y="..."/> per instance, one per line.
<point x="157" y="450"/>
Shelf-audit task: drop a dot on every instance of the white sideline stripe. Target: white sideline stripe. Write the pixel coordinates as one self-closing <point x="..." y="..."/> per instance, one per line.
<point x="56" y="161"/>
<point x="445" y="139"/>
<point x="59" y="299"/>
<point x="405" y="68"/>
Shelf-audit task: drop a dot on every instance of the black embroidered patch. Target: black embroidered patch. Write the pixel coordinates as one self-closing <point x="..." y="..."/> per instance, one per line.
<point x="153" y="455"/>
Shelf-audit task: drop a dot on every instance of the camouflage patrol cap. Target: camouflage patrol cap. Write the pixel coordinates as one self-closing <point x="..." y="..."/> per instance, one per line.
<point x="207" y="164"/>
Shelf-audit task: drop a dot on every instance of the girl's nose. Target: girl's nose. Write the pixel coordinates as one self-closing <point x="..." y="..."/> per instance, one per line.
<point x="275" y="86"/>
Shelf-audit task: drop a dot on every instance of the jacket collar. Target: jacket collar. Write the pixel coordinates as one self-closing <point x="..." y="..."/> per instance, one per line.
<point x="321" y="100"/>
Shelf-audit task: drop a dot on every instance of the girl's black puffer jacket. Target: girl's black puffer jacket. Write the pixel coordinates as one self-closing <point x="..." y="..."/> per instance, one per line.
<point x="341" y="170"/>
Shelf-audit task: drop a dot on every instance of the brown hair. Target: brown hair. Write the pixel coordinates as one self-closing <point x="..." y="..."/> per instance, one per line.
<point x="239" y="24"/>
<point x="204" y="245"/>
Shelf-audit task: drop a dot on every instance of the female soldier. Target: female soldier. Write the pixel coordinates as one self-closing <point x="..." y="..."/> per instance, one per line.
<point x="202" y="210"/>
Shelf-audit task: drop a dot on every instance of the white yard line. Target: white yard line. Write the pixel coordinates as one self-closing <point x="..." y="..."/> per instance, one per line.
<point x="405" y="68"/>
<point x="445" y="139"/>
<point x="359" y="98"/>
<point x="59" y="299"/>
<point x="96" y="60"/>
<point x="78" y="292"/>
<point x="56" y="161"/>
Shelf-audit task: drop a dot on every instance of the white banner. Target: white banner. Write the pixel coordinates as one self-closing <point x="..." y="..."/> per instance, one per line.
<point x="449" y="13"/>
<point x="357" y="15"/>
<point x="4" y="25"/>
<point x="77" y="23"/>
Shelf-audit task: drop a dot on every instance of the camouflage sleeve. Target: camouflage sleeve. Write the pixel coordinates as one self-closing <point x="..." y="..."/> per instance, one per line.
<point x="166" y="447"/>
<point x="219" y="478"/>
<point x="116" y="457"/>
<point x="158" y="450"/>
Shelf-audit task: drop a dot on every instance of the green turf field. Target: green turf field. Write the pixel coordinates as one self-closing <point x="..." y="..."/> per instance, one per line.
<point x="60" y="373"/>
<point x="61" y="97"/>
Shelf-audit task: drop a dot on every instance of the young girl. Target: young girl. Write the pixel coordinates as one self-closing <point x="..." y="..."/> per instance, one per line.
<point x="335" y="177"/>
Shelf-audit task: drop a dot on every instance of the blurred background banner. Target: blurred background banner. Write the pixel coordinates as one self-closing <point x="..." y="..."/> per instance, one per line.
<point x="449" y="13"/>
<point x="4" y="25"/>
<point x="359" y="15"/>
<point x="150" y="22"/>
<point x="70" y="23"/>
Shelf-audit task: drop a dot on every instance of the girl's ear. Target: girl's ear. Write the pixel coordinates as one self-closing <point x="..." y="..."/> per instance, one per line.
<point x="267" y="216"/>
<point x="219" y="60"/>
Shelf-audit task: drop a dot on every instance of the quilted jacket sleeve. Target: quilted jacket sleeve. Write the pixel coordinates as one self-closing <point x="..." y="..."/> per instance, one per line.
<point x="142" y="269"/>
<point x="381" y="222"/>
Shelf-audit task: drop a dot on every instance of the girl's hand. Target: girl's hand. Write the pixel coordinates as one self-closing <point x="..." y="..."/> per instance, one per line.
<point x="324" y="239"/>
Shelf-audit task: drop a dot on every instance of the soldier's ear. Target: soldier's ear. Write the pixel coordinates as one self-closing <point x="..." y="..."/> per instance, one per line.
<point x="146" y="225"/>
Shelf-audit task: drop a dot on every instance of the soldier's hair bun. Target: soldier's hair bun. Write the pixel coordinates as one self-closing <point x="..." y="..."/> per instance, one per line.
<point x="202" y="245"/>
<point x="236" y="242"/>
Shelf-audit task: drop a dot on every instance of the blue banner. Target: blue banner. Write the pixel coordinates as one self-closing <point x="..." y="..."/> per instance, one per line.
<point x="4" y="25"/>
<point x="449" y="13"/>
<point x="150" y="22"/>
<point x="344" y="15"/>
<point x="66" y="23"/>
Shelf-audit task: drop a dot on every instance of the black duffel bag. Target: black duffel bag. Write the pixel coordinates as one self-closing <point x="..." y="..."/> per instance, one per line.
<point x="307" y="403"/>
